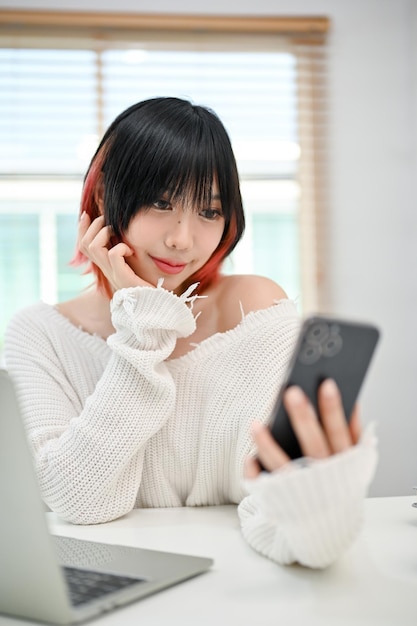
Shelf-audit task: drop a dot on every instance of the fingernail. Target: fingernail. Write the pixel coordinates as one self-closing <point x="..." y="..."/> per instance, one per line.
<point x="329" y="387"/>
<point x="82" y="216"/>
<point x="295" y="394"/>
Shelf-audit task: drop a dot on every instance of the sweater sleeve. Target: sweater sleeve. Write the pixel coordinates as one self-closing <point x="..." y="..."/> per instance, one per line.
<point x="89" y="457"/>
<point x="309" y="511"/>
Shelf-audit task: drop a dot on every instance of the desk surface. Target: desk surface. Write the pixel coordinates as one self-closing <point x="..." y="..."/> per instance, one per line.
<point x="373" y="583"/>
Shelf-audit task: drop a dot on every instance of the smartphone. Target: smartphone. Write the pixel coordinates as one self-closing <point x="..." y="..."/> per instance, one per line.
<point x="326" y="348"/>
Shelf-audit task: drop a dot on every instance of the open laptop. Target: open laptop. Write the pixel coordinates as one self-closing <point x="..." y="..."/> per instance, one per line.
<point x="39" y="572"/>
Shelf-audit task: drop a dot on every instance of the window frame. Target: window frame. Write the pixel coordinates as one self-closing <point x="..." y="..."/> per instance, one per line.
<point x="304" y="30"/>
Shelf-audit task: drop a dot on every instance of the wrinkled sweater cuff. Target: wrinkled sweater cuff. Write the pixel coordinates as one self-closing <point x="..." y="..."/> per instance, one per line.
<point x="148" y="318"/>
<point x="310" y="510"/>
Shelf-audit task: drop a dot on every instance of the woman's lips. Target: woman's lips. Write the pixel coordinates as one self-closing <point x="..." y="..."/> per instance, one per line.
<point x="168" y="267"/>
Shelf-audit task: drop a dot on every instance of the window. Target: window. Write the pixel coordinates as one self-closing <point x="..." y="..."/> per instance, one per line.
<point x="63" y="85"/>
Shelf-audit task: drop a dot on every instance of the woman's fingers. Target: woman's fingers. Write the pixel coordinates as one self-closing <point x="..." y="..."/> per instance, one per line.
<point x="332" y="417"/>
<point x="119" y="251"/>
<point x="122" y="274"/>
<point x="317" y="438"/>
<point x="83" y="225"/>
<point x="268" y="451"/>
<point x="93" y="238"/>
<point x="94" y="241"/>
<point x="329" y="435"/>
<point x="252" y="467"/>
<point x="355" y="427"/>
<point x="305" y="424"/>
<point x="87" y="228"/>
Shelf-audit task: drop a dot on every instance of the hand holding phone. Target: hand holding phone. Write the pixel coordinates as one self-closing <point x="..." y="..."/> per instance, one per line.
<point x="326" y="348"/>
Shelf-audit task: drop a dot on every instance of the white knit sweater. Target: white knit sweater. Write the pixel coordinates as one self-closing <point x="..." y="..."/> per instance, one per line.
<point x="117" y="425"/>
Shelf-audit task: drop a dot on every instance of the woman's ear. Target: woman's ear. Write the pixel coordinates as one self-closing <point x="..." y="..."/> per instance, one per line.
<point x="99" y="194"/>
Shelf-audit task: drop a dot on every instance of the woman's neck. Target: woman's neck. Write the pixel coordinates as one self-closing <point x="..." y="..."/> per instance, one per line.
<point x="89" y="311"/>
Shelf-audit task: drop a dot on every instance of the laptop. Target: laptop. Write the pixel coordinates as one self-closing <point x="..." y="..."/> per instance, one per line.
<point x="61" y="580"/>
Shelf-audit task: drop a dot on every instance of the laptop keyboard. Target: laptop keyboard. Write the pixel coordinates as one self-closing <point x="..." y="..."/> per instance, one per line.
<point x="86" y="585"/>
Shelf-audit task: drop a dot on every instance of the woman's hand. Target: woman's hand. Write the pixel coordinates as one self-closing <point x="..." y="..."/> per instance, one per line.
<point x="317" y="440"/>
<point x="94" y="240"/>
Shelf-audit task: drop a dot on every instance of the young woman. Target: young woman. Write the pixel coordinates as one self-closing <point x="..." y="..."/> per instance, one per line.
<point x="143" y="390"/>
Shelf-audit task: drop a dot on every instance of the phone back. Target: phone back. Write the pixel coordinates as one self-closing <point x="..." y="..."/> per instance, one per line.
<point x="326" y="348"/>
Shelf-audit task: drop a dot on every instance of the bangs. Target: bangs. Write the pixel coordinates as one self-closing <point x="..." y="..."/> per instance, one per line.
<point x="184" y="171"/>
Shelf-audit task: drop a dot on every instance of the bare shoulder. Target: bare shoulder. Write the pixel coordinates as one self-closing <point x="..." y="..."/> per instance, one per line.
<point x="245" y="293"/>
<point x="254" y="292"/>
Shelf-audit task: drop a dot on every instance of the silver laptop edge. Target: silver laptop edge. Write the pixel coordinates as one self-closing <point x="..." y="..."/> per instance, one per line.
<point x="32" y="585"/>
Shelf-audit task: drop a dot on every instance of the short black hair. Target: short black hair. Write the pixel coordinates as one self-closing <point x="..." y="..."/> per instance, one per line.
<point x="168" y="146"/>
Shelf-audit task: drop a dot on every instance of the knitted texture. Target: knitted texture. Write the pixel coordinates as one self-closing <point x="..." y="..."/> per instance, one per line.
<point x="310" y="511"/>
<point x="117" y="425"/>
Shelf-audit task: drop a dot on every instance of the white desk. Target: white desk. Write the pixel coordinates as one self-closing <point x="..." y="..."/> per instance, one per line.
<point x="374" y="583"/>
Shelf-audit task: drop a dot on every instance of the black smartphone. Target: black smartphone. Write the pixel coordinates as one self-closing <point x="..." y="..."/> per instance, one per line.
<point x="326" y="348"/>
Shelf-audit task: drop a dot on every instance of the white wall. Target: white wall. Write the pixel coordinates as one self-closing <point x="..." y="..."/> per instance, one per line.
<point x="371" y="269"/>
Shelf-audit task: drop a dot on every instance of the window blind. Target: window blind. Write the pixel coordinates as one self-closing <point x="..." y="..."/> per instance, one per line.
<point x="61" y="86"/>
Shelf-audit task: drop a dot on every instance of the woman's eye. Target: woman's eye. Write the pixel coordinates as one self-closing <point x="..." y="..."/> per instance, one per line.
<point x="211" y="214"/>
<point x="163" y="205"/>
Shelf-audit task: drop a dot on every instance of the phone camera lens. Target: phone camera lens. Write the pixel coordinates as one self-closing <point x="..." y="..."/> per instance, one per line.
<point x="332" y="346"/>
<point x="318" y="333"/>
<point x="321" y="340"/>
<point x="310" y="353"/>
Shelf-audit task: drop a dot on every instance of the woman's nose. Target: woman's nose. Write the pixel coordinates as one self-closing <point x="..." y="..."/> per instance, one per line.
<point x="180" y="235"/>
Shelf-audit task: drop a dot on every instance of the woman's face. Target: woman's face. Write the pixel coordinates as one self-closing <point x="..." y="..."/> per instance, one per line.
<point x="174" y="241"/>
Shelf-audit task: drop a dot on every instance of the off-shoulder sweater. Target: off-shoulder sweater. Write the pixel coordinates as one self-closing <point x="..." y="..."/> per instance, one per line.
<point x="117" y="424"/>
